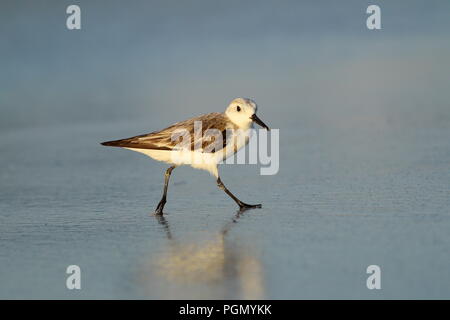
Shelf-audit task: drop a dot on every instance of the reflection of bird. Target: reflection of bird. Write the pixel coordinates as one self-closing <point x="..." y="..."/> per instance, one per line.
<point x="205" y="142"/>
<point x="213" y="263"/>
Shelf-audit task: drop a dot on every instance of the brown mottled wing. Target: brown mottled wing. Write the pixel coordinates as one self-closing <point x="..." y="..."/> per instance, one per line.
<point x="166" y="139"/>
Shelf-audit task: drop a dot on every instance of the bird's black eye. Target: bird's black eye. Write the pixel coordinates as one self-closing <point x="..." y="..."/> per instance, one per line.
<point x="238" y="108"/>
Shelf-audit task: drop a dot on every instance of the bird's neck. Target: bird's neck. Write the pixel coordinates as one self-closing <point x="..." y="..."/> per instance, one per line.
<point x="242" y="125"/>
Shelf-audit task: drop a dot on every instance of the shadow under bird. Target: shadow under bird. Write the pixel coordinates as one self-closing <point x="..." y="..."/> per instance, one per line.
<point x="201" y="142"/>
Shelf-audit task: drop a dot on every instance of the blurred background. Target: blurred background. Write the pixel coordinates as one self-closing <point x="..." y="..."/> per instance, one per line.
<point x="364" y="121"/>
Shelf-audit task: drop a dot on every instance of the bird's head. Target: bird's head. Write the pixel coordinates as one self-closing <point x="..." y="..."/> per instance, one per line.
<point x="242" y="112"/>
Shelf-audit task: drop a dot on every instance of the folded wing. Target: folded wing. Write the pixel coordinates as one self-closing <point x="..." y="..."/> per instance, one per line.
<point x="212" y="126"/>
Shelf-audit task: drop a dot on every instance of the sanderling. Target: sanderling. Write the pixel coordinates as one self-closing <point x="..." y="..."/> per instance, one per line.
<point x="206" y="141"/>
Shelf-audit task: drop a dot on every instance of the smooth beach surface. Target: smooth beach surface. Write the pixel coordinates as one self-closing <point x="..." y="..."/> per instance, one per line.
<point x="364" y="152"/>
<point x="338" y="204"/>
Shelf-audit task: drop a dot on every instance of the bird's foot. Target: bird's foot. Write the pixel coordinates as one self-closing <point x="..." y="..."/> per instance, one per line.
<point x="159" y="208"/>
<point x="245" y="206"/>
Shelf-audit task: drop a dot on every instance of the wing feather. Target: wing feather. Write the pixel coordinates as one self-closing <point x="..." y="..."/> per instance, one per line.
<point x="214" y="124"/>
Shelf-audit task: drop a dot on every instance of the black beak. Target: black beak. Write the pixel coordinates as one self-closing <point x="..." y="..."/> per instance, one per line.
<point x="255" y="118"/>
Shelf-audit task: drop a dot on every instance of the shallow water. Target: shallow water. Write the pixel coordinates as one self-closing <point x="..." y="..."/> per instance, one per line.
<point x="364" y="149"/>
<point x="339" y="205"/>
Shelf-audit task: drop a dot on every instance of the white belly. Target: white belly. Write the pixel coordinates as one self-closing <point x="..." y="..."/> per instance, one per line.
<point x="197" y="159"/>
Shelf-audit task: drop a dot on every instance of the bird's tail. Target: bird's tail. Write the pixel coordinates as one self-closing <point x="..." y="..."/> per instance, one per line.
<point x="114" y="143"/>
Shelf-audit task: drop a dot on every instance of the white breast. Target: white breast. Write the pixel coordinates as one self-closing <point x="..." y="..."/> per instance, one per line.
<point x="201" y="160"/>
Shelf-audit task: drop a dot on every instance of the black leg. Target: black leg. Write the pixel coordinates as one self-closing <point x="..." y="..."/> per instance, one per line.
<point x="242" y="205"/>
<point x="160" y="207"/>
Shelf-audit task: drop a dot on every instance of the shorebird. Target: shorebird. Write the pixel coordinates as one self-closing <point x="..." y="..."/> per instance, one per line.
<point x="201" y="142"/>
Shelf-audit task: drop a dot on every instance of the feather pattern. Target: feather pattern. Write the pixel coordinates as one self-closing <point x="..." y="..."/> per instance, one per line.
<point x="203" y="133"/>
